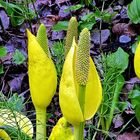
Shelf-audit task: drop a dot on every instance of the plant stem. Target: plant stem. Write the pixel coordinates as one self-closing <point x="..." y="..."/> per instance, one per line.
<point x="119" y="84"/>
<point x="40" y="123"/>
<point x="98" y="125"/>
<point x="81" y="97"/>
<point x="79" y="131"/>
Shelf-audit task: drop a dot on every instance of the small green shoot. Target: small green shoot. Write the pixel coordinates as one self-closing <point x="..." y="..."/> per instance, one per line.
<point x="3" y="51"/>
<point x="134" y="96"/>
<point x="74" y="8"/>
<point x="134" y="46"/>
<point x="133" y="11"/>
<point x="18" y="57"/>
<point x="17" y="12"/>
<point x="1" y="69"/>
<point x="61" y="25"/>
<point x="57" y="51"/>
<point x="113" y="82"/>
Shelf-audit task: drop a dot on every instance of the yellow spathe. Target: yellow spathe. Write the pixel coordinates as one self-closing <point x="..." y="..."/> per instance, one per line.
<point x="68" y="91"/>
<point x="42" y="74"/>
<point x="137" y="61"/>
<point x="61" y="131"/>
<point x="4" y="135"/>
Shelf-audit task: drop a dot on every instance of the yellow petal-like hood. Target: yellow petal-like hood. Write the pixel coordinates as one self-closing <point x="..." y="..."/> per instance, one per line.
<point x="67" y="92"/>
<point x="4" y="135"/>
<point x="68" y="95"/>
<point x="61" y="131"/>
<point x="93" y="92"/>
<point x="42" y="73"/>
<point x="137" y="61"/>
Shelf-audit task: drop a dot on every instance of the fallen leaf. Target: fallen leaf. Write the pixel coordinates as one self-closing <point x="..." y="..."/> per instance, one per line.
<point x="5" y="19"/>
<point x="123" y="29"/>
<point x="118" y="121"/>
<point x="95" y="36"/>
<point x="128" y="136"/>
<point x="15" y="83"/>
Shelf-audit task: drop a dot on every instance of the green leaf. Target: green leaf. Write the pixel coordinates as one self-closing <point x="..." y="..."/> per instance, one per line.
<point x="137" y="113"/>
<point x="134" y="95"/>
<point x="88" y="25"/>
<point x="18" y="57"/>
<point x="61" y="25"/>
<point x="3" y="51"/>
<point x="16" y="102"/>
<point x="133" y="11"/>
<point x="1" y="69"/>
<point x="57" y="51"/>
<point x="118" y="60"/>
<point x="74" y="8"/>
<point x="134" y="46"/>
<point x="122" y="106"/>
<point x="119" y="82"/>
<point x="17" y="12"/>
<point x="107" y="17"/>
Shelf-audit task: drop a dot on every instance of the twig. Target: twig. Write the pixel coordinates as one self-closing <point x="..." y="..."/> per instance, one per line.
<point x="2" y="82"/>
<point x="2" y="27"/>
<point x="100" y="28"/>
<point x="35" y="11"/>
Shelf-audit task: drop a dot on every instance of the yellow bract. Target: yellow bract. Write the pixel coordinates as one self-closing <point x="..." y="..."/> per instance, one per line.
<point x="137" y="61"/>
<point x="61" y="131"/>
<point x="7" y="118"/>
<point x="4" y="135"/>
<point x="42" y="74"/>
<point x="68" y="91"/>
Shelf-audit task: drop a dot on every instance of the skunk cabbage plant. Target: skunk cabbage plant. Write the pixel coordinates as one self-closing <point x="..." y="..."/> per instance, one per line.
<point x="80" y="88"/>
<point x="42" y="77"/>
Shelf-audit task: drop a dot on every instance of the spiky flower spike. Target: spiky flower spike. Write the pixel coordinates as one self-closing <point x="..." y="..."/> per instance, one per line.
<point x="79" y="100"/>
<point x="137" y="61"/>
<point x="71" y="32"/>
<point x="82" y="57"/>
<point x="42" y="39"/>
<point x="42" y="80"/>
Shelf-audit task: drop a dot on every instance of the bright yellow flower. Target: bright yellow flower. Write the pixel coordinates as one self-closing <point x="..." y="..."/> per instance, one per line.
<point x="4" y="135"/>
<point x="42" y="77"/>
<point x="69" y="102"/>
<point x="61" y="131"/>
<point x="42" y="73"/>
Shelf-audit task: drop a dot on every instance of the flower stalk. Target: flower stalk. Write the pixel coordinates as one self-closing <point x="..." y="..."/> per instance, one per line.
<point x="80" y="90"/>
<point x="79" y="129"/>
<point x="41" y="123"/>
